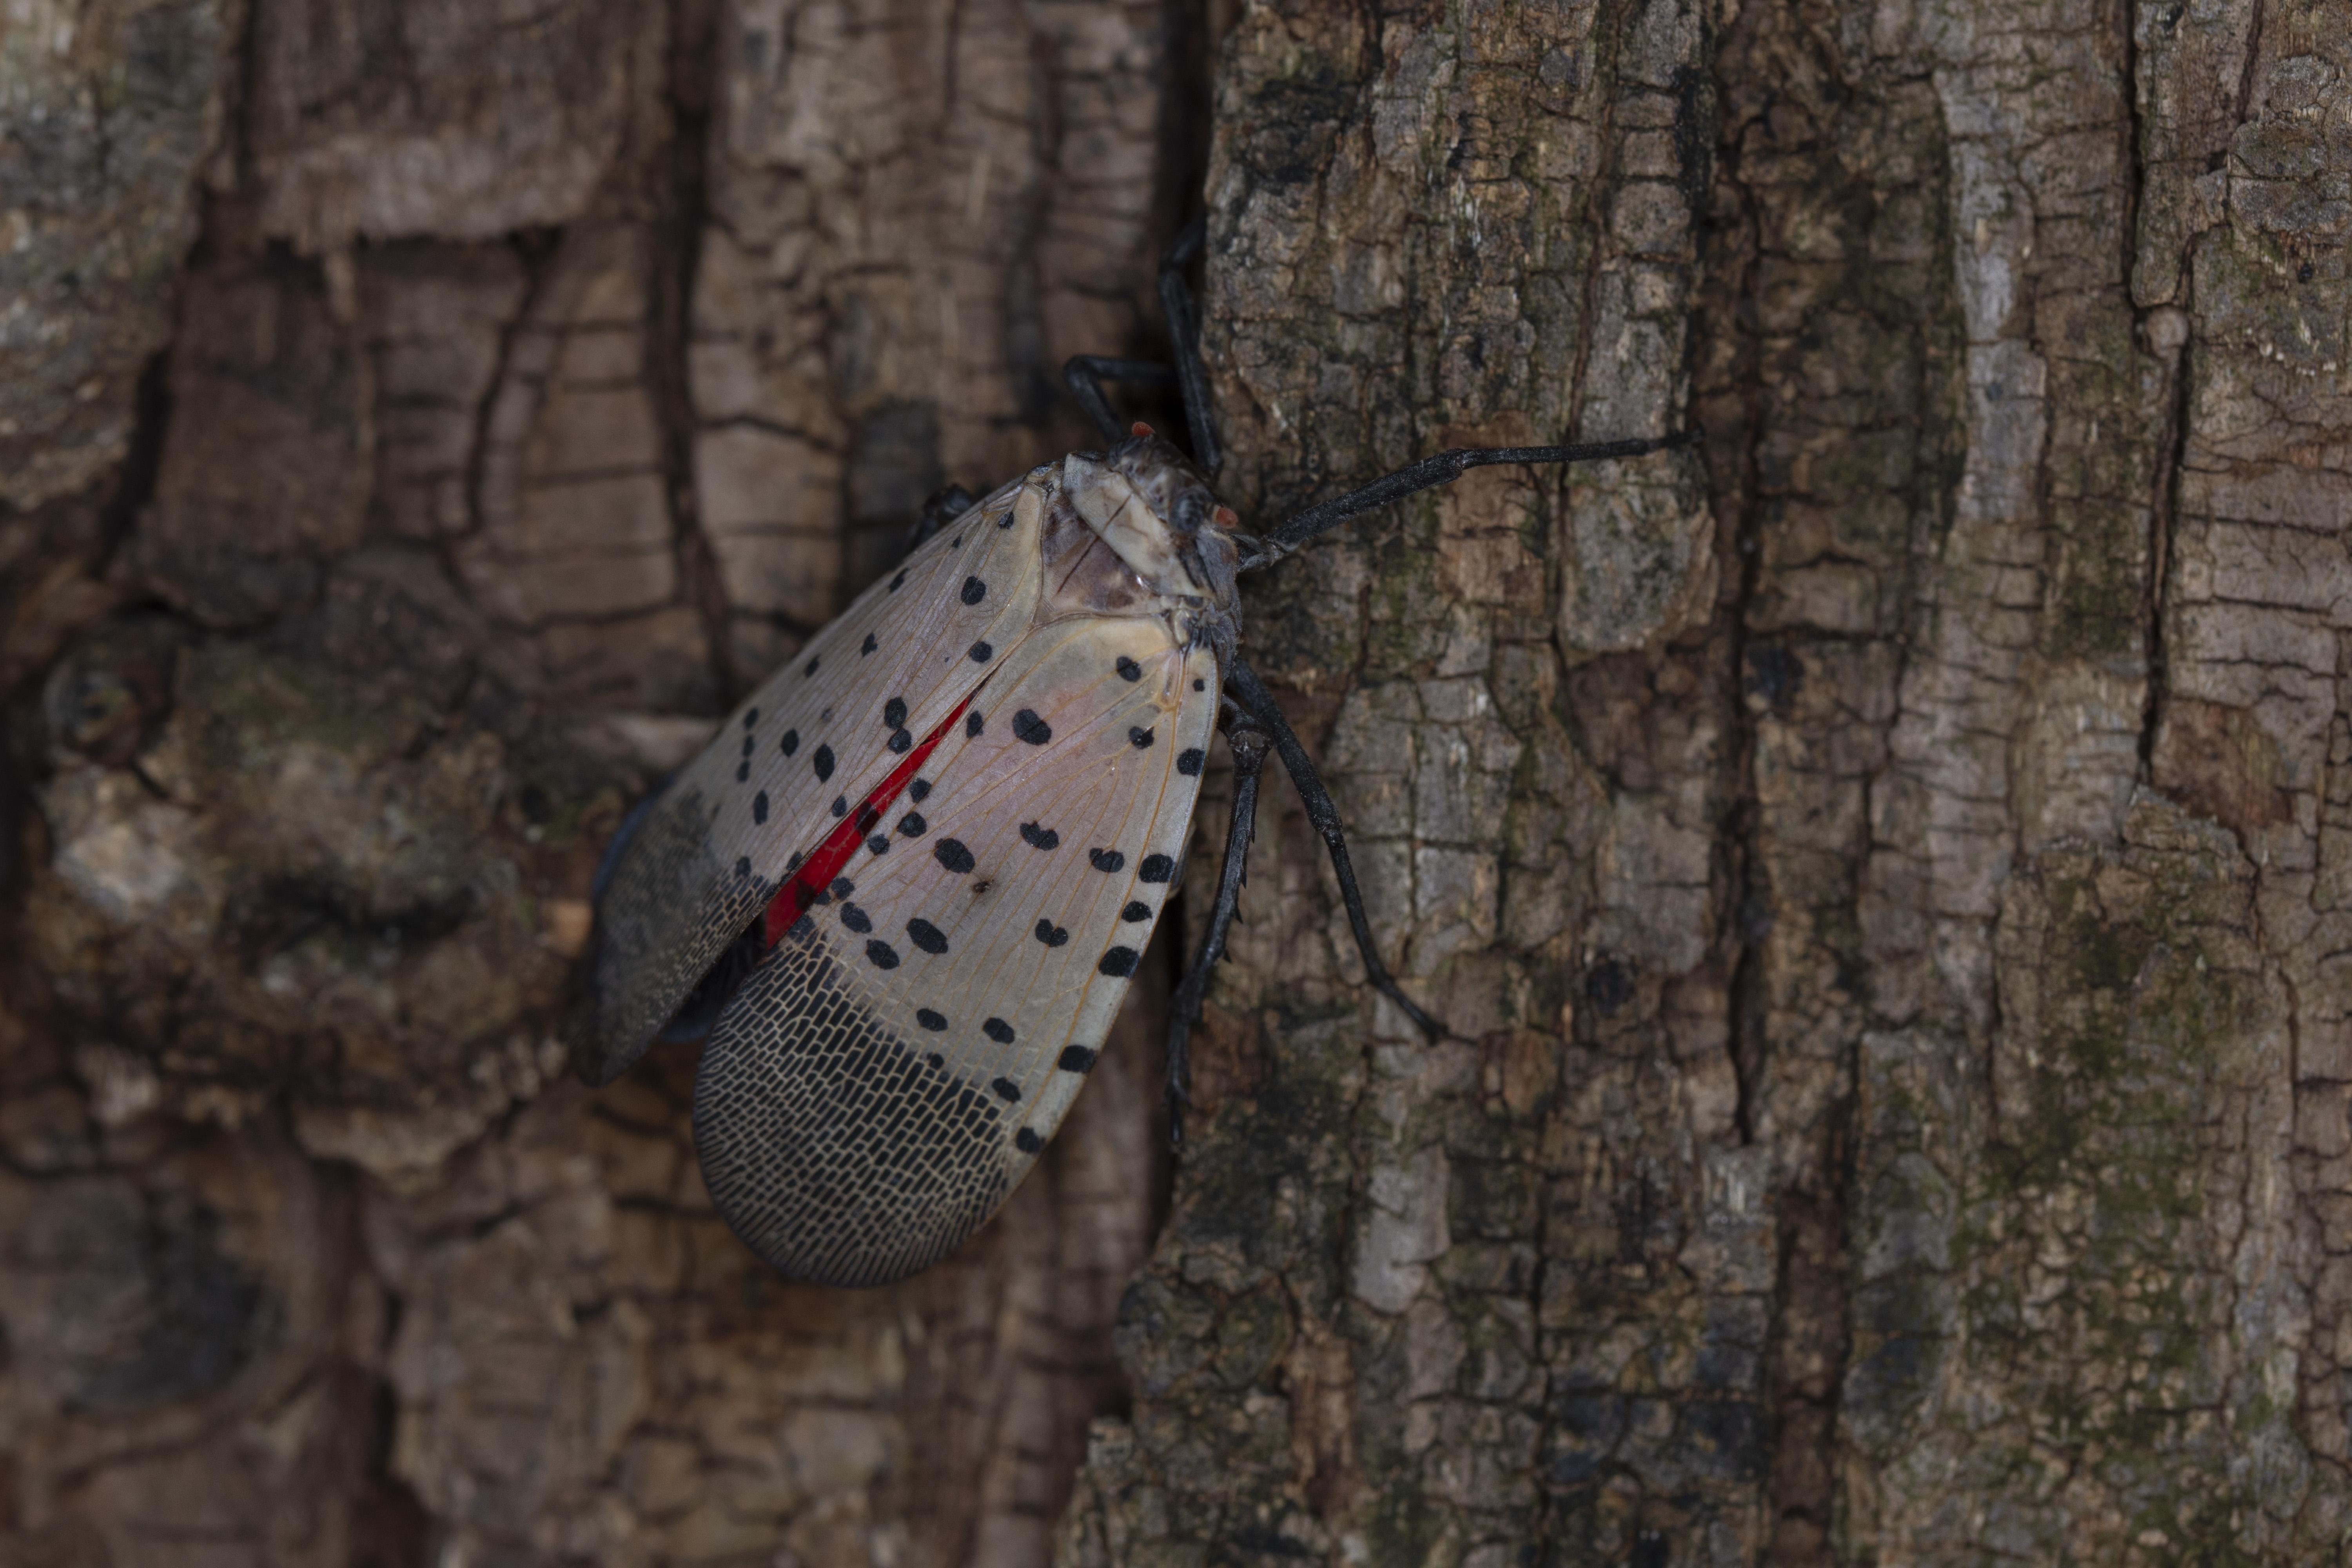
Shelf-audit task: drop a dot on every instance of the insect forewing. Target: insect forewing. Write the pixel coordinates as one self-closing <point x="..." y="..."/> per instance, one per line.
<point x="802" y="751"/>
<point x="886" y="1075"/>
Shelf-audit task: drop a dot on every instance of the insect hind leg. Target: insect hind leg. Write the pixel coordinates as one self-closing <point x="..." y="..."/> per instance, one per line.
<point x="1251" y="692"/>
<point x="1249" y="741"/>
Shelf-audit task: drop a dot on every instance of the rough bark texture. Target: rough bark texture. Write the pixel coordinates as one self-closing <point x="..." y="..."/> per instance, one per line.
<point x="1885" y="869"/>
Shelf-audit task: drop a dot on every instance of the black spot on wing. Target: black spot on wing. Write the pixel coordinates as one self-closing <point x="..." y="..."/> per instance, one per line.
<point x="1051" y="934"/>
<point x="1119" y="962"/>
<point x="1156" y="869"/>
<point x="760" y="807"/>
<point x="1040" y="838"/>
<point x="975" y="590"/>
<point x="894" y="713"/>
<point x="866" y="647"/>
<point x="840" y="806"/>
<point x="1137" y="910"/>
<point x="747" y="745"/>
<point x="822" y="761"/>
<point x="810" y="668"/>
<point x="1189" y="764"/>
<point x="1000" y="1031"/>
<point x="1137" y="736"/>
<point x="1106" y="860"/>
<point x="981" y="651"/>
<point x="789" y="743"/>
<point x="743" y="867"/>
<point x="1028" y="727"/>
<point x="1198" y="684"/>
<point x="881" y="955"/>
<point x="877" y="845"/>
<point x="1005" y="1088"/>
<point x="857" y="920"/>
<point x="1076" y="1058"/>
<point x="751" y="717"/>
<point x="742" y="771"/>
<point x="897" y="583"/>
<point x="901" y="739"/>
<point x="1128" y="670"/>
<point x="917" y="791"/>
<point x="926" y="935"/>
<point x="1027" y="1141"/>
<point x="841" y="886"/>
<point x="951" y="853"/>
<point x="932" y="1021"/>
<point x="913" y="824"/>
<point x="972" y="723"/>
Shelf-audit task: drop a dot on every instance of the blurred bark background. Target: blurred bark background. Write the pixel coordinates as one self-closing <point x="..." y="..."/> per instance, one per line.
<point x="1887" y="870"/>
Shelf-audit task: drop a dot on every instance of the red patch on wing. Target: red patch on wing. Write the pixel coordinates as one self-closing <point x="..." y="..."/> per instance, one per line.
<point x="817" y="872"/>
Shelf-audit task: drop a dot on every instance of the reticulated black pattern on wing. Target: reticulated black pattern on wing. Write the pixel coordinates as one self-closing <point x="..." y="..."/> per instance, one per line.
<point x="831" y="1144"/>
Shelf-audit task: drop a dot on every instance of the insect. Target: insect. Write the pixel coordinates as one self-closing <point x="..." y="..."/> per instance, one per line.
<point x="905" y="887"/>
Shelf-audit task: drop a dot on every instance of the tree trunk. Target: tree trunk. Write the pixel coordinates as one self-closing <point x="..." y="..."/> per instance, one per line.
<point x="1873" y="865"/>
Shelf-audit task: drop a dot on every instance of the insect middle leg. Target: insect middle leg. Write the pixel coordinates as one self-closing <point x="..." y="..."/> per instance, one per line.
<point x="1246" y="689"/>
<point x="1249" y="743"/>
<point x="941" y="508"/>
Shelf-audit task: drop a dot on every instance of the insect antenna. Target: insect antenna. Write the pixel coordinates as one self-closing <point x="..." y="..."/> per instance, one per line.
<point x="1249" y="741"/>
<point x="1428" y="474"/>
<point x="1243" y="682"/>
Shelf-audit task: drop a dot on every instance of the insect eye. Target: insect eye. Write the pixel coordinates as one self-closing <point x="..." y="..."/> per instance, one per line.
<point x="1226" y="517"/>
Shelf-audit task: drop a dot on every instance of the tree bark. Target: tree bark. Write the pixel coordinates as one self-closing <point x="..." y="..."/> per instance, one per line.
<point x="1879" y="866"/>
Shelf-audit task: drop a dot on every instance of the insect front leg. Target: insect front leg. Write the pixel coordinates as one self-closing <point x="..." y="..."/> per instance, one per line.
<point x="1084" y="374"/>
<point x="1249" y="741"/>
<point x="1184" y="335"/>
<point x="1251" y="692"/>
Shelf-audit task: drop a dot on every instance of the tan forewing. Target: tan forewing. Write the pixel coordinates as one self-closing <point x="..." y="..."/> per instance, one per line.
<point x="884" y="1078"/>
<point x="714" y="846"/>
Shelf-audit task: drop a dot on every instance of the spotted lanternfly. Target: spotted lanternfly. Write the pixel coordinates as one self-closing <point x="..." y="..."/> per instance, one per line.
<point x="905" y="887"/>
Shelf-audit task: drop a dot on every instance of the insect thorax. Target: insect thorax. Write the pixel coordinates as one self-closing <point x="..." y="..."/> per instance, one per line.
<point x="1133" y="533"/>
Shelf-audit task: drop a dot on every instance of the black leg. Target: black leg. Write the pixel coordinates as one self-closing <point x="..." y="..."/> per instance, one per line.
<point x="1084" y="374"/>
<point x="1243" y="683"/>
<point x="1184" y="336"/>
<point x="1248" y="741"/>
<point x="942" y="508"/>
<point x="1431" y="472"/>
